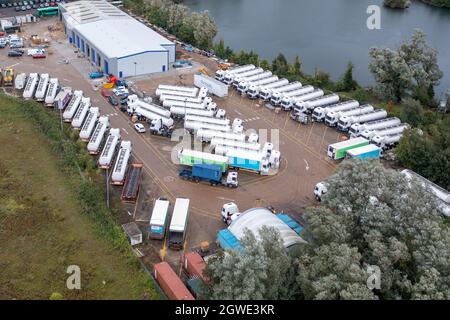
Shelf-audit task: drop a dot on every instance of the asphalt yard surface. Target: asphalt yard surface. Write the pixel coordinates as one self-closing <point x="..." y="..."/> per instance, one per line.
<point x="303" y="148"/>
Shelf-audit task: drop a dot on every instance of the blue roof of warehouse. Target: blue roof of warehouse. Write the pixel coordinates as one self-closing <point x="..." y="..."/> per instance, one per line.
<point x="111" y="30"/>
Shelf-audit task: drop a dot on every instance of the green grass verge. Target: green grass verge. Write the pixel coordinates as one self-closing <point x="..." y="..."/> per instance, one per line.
<point x="53" y="214"/>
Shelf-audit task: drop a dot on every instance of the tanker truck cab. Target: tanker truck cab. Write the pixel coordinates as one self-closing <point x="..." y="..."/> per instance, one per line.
<point x="320" y="189"/>
<point x="274" y="159"/>
<point x="219" y="74"/>
<point x="221" y="114"/>
<point x="230" y="212"/>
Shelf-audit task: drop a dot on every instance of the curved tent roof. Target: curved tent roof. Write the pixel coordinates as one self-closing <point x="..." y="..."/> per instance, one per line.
<point x="254" y="219"/>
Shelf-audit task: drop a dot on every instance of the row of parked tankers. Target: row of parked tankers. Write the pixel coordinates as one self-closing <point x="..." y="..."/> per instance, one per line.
<point x="348" y="116"/>
<point x="82" y="116"/>
<point x="201" y="117"/>
<point x="207" y="123"/>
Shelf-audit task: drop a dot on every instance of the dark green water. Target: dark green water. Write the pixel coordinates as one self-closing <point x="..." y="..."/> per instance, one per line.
<point x="326" y="34"/>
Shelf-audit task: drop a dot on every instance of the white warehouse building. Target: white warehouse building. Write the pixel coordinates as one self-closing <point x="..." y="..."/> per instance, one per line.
<point x="113" y="41"/>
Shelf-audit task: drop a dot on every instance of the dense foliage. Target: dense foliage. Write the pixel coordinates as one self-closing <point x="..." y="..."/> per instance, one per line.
<point x="410" y="70"/>
<point x="397" y="3"/>
<point x="196" y="28"/>
<point x="376" y="219"/>
<point x="428" y="151"/>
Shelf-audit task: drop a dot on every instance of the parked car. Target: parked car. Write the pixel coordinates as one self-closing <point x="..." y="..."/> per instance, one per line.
<point x="39" y="56"/>
<point x="113" y="100"/>
<point x="119" y="91"/>
<point x="14" y="53"/>
<point x="139" y="127"/>
<point x="124" y="101"/>
<point x="17" y="9"/>
<point x="104" y="93"/>
<point x="35" y="51"/>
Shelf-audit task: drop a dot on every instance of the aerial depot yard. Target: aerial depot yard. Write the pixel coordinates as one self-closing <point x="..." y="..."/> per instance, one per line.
<point x="304" y="161"/>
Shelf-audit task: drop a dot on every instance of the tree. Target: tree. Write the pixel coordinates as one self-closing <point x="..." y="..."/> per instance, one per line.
<point x="412" y="66"/>
<point x="412" y="112"/>
<point x="280" y="65"/>
<point x="376" y="219"/>
<point x="428" y="153"/>
<point x="348" y="83"/>
<point x="402" y="4"/>
<point x="205" y="29"/>
<point x="177" y="15"/>
<point x="263" y="270"/>
<point x="296" y="68"/>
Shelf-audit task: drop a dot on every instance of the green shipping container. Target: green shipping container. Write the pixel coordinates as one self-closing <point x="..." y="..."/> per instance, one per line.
<point x="338" y="150"/>
<point x="191" y="157"/>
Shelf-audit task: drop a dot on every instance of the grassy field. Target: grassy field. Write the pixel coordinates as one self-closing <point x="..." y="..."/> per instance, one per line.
<point x="43" y="229"/>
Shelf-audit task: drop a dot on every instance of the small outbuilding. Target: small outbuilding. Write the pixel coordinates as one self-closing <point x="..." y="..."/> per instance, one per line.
<point x="113" y="41"/>
<point x="133" y="233"/>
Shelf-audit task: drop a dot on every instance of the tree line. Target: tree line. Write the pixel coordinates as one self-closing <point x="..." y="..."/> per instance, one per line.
<point x="374" y="237"/>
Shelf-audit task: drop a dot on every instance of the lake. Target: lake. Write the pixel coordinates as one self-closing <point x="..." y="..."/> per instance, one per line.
<point x="326" y="34"/>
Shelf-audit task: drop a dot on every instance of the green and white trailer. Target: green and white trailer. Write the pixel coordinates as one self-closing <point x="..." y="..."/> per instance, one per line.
<point x="190" y="157"/>
<point x="338" y="150"/>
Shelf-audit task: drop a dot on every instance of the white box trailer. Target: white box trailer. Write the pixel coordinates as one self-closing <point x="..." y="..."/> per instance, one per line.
<point x="333" y="117"/>
<point x="106" y="157"/>
<point x="121" y="166"/>
<point x="89" y="124"/>
<point x="205" y="135"/>
<point x="244" y="86"/>
<point x="181" y="112"/>
<point x="52" y="91"/>
<point x="288" y="103"/>
<point x="42" y="87"/>
<point x="346" y="121"/>
<point x="319" y="113"/>
<point x="310" y="105"/>
<point x="357" y="128"/>
<point x="96" y="139"/>
<point x="30" y="86"/>
<point x="20" y="81"/>
<point x="277" y="97"/>
<point x="81" y="113"/>
<point x="442" y="195"/>
<point x="214" y="86"/>
<point x="73" y="105"/>
<point x="158" y="220"/>
<point x="178" y="223"/>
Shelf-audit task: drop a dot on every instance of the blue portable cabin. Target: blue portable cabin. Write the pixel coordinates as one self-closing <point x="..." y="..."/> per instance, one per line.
<point x="227" y="240"/>
<point x="369" y="151"/>
<point x="245" y="159"/>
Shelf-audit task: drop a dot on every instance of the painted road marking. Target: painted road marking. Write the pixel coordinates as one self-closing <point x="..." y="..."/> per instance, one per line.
<point x="223" y="198"/>
<point x="307" y="165"/>
<point x="12" y="66"/>
<point x="125" y="130"/>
